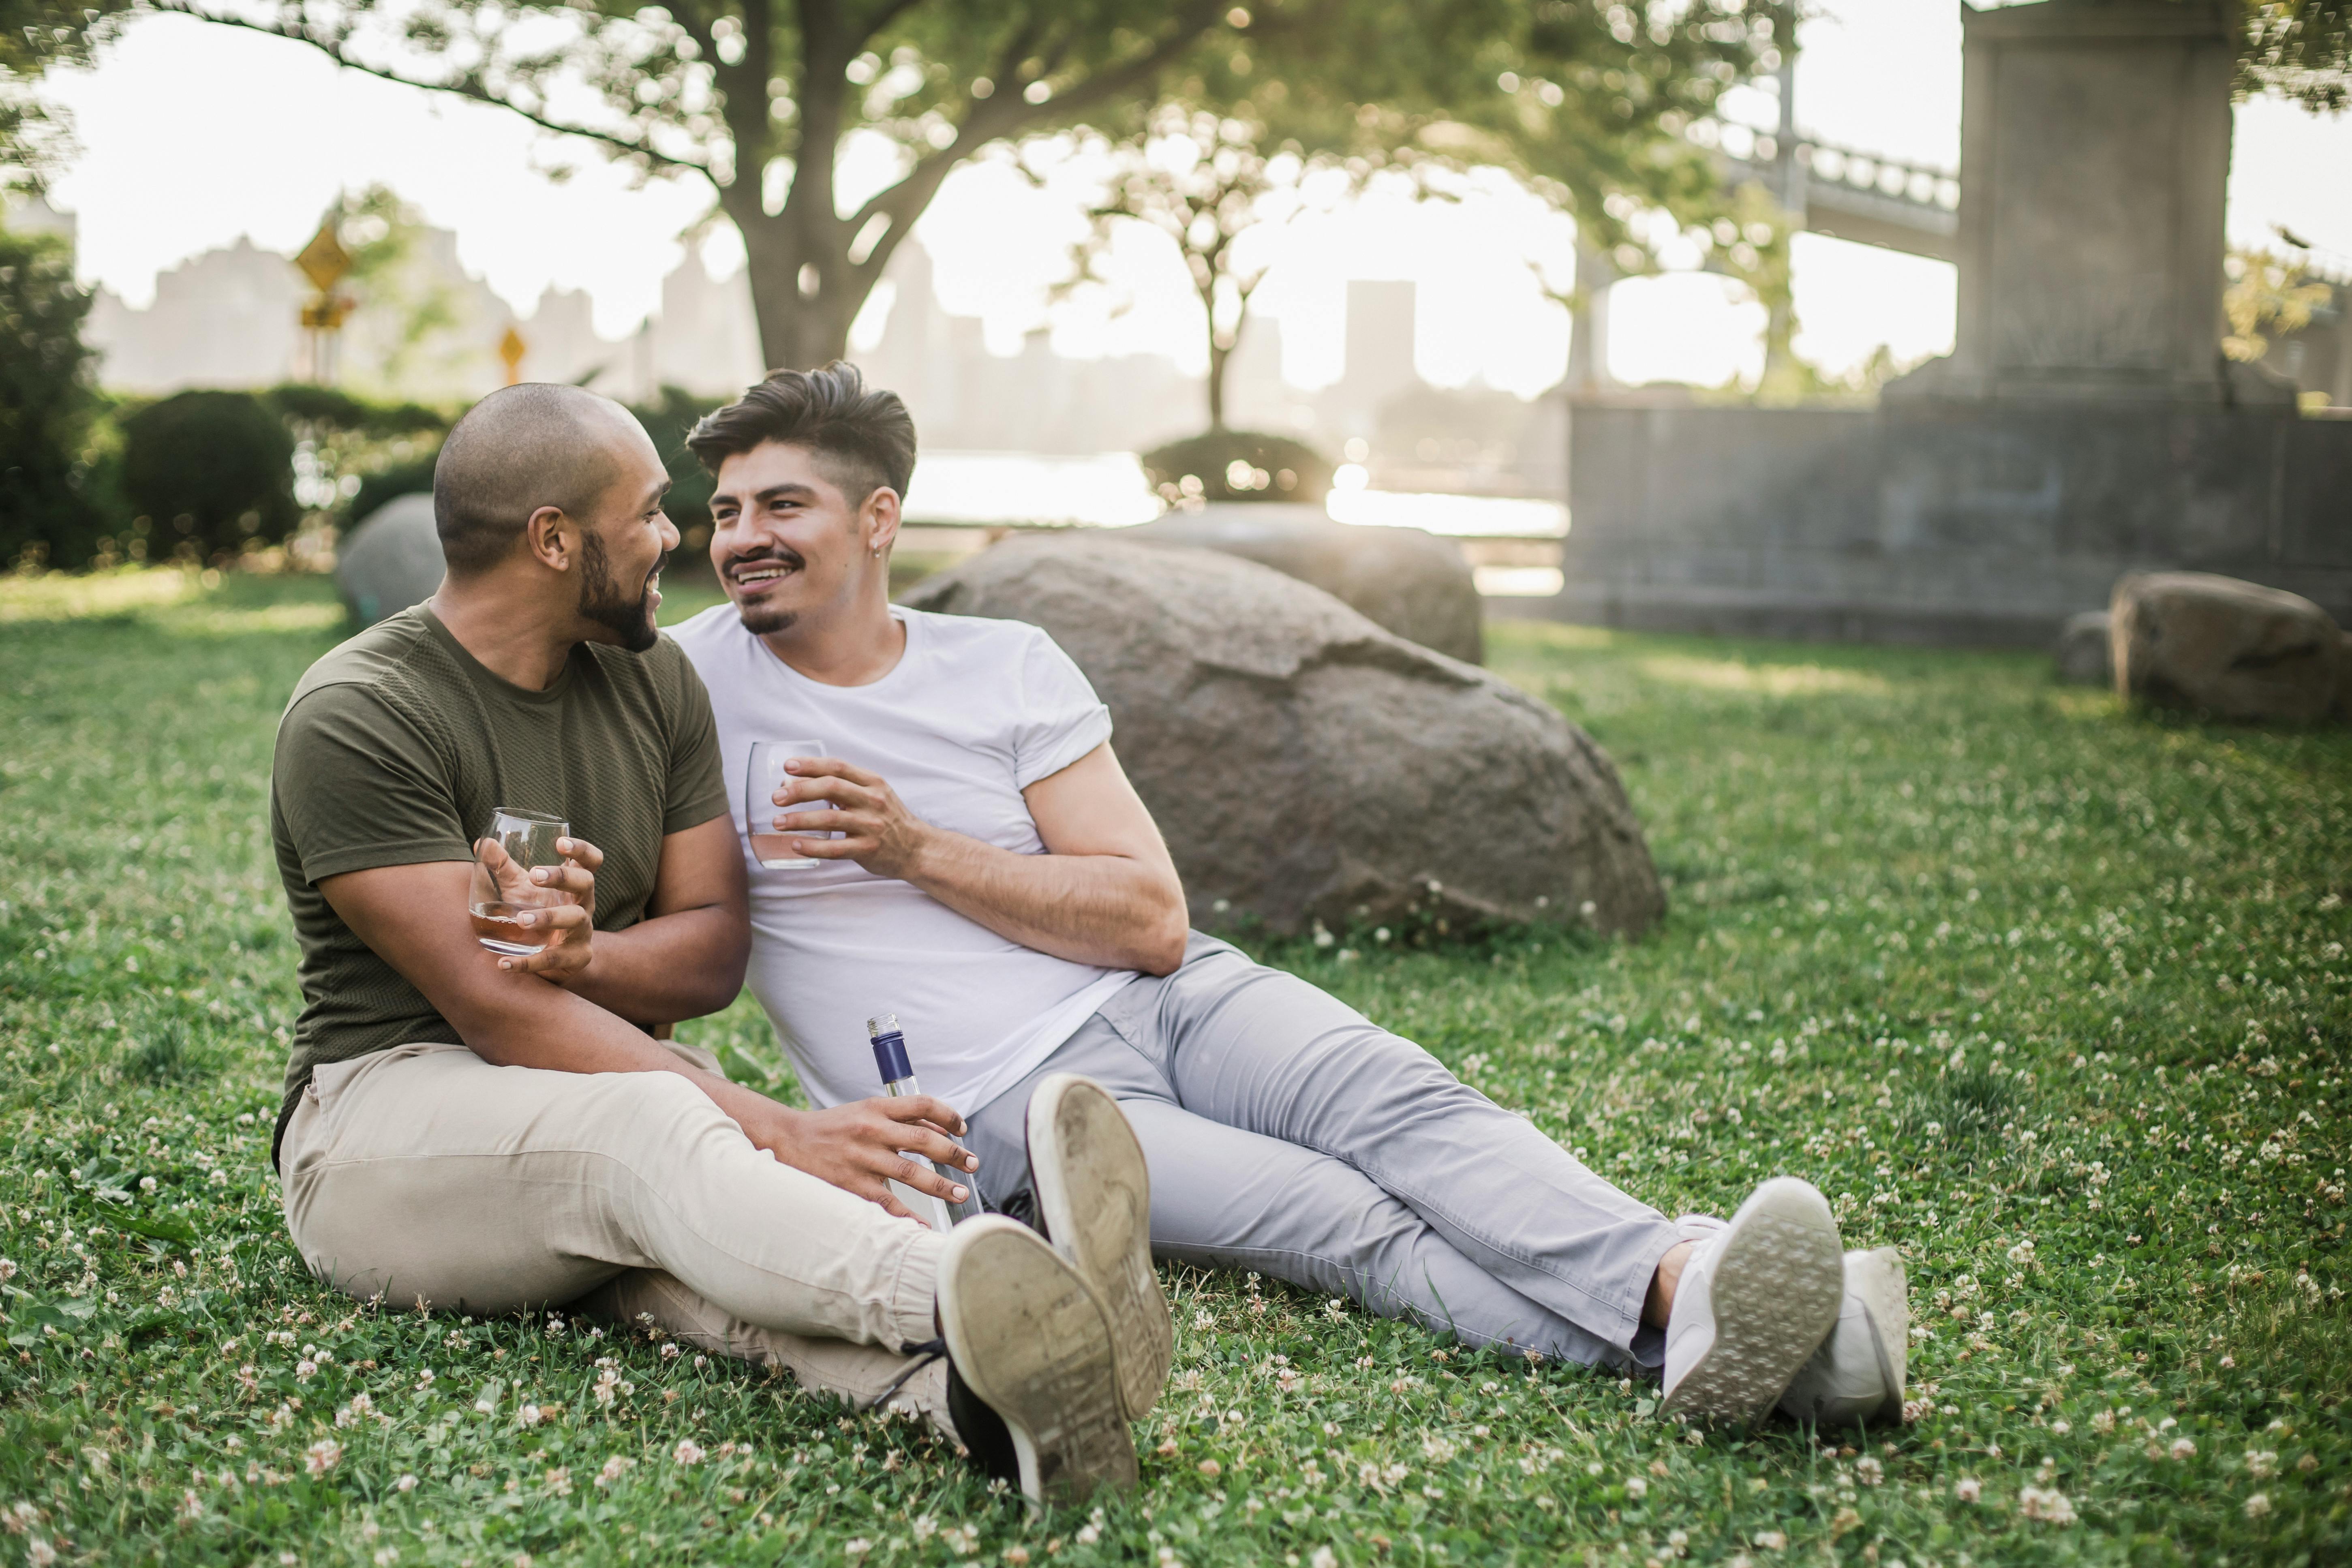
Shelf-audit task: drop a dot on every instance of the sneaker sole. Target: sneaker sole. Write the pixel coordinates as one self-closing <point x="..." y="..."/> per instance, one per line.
<point x="1775" y="1294"/>
<point x="1030" y="1340"/>
<point x="1094" y="1194"/>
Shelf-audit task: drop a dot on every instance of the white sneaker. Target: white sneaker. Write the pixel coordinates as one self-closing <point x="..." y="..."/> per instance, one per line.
<point x="1094" y="1203"/>
<point x="1028" y="1338"/>
<point x="1856" y="1377"/>
<point x="1756" y="1299"/>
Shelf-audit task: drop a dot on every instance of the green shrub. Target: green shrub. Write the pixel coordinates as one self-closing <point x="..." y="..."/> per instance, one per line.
<point x="411" y="476"/>
<point x="52" y="505"/>
<point x="1238" y="465"/>
<point x="667" y="420"/>
<point x="213" y="472"/>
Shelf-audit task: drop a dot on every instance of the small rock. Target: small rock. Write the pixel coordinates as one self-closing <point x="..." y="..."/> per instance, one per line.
<point x="2084" y="654"/>
<point x="393" y="560"/>
<point x="2228" y="649"/>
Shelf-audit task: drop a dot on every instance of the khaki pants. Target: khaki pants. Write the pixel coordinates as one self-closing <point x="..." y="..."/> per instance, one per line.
<point x="425" y="1175"/>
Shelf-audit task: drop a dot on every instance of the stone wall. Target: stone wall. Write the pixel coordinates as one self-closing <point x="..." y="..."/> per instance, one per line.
<point x="1944" y="522"/>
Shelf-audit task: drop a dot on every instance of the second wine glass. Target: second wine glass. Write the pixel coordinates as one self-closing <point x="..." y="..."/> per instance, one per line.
<point x="762" y="776"/>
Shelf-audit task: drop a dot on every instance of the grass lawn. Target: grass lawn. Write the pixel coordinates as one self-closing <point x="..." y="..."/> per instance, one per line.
<point x="2051" y="995"/>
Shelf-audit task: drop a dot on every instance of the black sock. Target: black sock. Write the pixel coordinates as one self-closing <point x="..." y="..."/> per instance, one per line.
<point x="982" y="1430"/>
<point x="1021" y="1205"/>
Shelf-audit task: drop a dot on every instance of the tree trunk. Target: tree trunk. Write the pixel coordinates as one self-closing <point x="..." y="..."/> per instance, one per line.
<point x="1218" y="359"/>
<point x="797" y="331"/>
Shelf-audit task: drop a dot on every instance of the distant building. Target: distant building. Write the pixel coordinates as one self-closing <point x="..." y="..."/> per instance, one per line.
<point x="228" y="318"/>
<point x="1379" y="358"/>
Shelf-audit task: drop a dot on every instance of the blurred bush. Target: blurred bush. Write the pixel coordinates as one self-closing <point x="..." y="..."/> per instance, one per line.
<point x="668" y="419"/>
<point x="352" y="454"/>
<point x="54" y="473"/>
<point x="212" y="473"/>
<point x="1238" y="466"/>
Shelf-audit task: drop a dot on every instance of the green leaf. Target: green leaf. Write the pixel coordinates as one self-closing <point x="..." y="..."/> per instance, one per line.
<point x="153" y="1227"/>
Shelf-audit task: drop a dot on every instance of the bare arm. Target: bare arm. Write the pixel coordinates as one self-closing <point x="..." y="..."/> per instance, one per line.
<point x="686" y="957"/>
<point x="1104" y="892"/>
<point x="414" y="917"/>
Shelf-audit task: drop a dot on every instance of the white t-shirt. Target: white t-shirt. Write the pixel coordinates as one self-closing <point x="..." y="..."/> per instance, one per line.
<point x="973" y="712"/>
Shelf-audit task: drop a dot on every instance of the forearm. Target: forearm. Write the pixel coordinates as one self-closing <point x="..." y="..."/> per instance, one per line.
<point x="668" y="968"/>
<point x="530" y="1023"/>
<point x="1103" y="909"/>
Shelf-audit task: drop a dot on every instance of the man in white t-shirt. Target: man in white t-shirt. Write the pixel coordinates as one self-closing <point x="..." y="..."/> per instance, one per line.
<point x="984" y="871"/>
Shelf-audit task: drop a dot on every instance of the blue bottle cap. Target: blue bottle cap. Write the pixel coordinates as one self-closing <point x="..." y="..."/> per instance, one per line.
<point x="889" y="1048"/>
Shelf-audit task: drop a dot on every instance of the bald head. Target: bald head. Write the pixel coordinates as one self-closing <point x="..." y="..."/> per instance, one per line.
<point x="519" y="450"/>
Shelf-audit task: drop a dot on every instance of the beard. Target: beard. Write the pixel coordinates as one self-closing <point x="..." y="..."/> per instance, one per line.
<point x="758" y="620"/>
<point x="608" y="604"/>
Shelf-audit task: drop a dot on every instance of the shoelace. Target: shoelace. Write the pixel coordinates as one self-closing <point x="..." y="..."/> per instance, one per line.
<point x="923" y="1356"/>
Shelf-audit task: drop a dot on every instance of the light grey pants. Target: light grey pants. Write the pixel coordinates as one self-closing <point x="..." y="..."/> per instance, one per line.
<point x="1287" y="1133"/>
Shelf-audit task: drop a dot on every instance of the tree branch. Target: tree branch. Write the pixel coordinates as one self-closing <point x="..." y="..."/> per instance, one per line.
<point x="889" y="12"/>
<point x="1002" y="115"/>
<point x="335" y="52"/>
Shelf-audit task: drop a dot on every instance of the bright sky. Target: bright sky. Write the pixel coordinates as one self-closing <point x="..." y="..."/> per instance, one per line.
<point x="193" y="135"/>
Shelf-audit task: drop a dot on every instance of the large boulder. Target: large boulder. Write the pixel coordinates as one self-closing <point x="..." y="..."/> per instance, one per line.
<point x="1414" y="583"/>
<point x="1306" y="766"/>
<point x="2232" y="651"/>
<point x="393" y="560"/>
<point x="2085" y="657"/>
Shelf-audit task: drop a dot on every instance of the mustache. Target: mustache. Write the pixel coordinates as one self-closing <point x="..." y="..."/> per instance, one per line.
<point x="767" y="555"/>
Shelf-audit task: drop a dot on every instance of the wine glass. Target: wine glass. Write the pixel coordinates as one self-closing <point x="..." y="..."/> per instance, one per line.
<point x="762" y="777"/>
<point x="516" y="844"/>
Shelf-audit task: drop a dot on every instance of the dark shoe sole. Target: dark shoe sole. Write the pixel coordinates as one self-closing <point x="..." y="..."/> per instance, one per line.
<point x="1030" y="1340"/>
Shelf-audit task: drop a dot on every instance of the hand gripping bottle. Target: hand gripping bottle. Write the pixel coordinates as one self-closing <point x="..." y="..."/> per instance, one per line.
<point x="897" y="1081"/>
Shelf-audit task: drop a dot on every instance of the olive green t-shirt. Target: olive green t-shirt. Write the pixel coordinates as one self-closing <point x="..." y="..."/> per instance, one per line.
<point x="397" y="746"/>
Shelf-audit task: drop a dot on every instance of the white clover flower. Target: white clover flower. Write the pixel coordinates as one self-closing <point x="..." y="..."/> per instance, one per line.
<point x="687" y="1452"/>
<point x="1869" y="1471"/>
<point x="2258" y="1505"/>
<point x="1635" y="1486"/>
<point x="322" y="1456"/>
<point x="406" y="1484"/>
<point x="1968" y="1488"/>
<point x="2260" y="1463"/>
<point x="2182" y="1448"/>
<point x="1772" y="1541"/>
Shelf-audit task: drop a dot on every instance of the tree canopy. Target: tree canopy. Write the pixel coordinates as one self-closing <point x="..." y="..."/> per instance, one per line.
<point x="761" y="97"/>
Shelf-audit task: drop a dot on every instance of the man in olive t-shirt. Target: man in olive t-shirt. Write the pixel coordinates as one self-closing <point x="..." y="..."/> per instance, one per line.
<point x="397" y="747"/>
<point x="483" y="1133"/>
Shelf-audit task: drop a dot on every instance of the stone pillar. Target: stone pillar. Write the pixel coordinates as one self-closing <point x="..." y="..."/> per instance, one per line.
<point x="2095" y="155"/>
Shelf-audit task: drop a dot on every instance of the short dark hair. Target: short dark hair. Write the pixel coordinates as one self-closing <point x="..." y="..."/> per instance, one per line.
<point x="863" y="439"/>
<point x="520" y="449"/>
